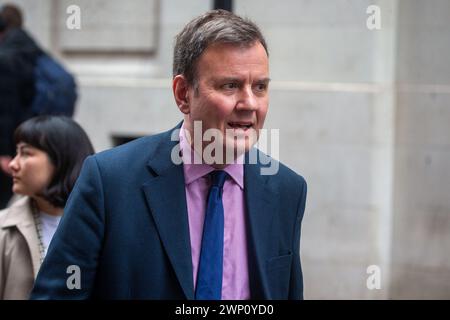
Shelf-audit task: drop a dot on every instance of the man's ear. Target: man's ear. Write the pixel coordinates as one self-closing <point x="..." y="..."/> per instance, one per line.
<point x="180" y="92"/>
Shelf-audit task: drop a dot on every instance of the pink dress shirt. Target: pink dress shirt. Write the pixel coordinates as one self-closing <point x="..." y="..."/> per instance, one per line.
<point x="235" y="282"/>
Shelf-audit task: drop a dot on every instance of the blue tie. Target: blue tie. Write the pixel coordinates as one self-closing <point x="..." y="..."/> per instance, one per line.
<point x="209" y="277"/>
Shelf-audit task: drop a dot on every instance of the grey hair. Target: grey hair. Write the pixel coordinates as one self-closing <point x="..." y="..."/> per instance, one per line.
<point x="215" y="26"/>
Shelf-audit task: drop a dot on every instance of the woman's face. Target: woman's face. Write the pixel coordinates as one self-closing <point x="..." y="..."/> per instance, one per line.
<point x="31" y="169"/>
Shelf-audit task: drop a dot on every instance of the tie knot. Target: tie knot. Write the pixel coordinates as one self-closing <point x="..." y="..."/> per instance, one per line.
<point x="218" y="178"/>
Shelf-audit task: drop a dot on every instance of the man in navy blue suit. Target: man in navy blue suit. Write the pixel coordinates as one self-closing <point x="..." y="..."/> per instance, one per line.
<point x="188" y="213"/>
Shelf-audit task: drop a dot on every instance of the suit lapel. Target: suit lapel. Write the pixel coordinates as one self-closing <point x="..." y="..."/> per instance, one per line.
<point x="166" y="197"/>
<point x="261" y="202"/>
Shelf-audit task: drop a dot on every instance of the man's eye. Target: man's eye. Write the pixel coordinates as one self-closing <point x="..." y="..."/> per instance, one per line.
<point x="229" y="86"/>
<point x="261" y="87"/>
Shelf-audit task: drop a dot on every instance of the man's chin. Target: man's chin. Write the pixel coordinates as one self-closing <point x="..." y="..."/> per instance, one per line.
<point x="236" y="150"/>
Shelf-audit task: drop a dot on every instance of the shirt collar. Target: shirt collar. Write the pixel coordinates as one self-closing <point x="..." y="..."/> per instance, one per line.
<point x="194" y="169"/>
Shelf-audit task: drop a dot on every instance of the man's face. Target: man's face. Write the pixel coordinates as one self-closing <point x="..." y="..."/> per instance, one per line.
<point x="231" y="93"/>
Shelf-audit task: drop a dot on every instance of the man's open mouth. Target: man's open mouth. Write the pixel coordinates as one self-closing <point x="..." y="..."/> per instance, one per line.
<point x="240" y="125"/>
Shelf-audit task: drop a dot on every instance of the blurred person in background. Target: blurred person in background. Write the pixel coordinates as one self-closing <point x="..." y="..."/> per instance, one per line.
<point x="18" y="55"/>
<point x="31" y="83"/>
<point x="50" y="153"/>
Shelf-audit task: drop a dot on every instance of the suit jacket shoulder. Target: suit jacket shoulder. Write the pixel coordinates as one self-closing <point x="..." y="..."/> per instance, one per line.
<point x="283" y="179"/>
<point x="135" y="155"/>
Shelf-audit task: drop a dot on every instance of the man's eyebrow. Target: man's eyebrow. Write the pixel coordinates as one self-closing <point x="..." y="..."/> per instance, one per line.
<point x="238" y="79"/>
<point x="228" y="79"/>
<point x="263" y="80"/>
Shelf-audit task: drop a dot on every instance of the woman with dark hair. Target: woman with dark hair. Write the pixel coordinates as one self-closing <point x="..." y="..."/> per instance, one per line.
<point x="50" y="153"/>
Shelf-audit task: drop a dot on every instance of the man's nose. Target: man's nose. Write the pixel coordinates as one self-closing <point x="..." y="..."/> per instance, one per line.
<point x="247" y="100"/>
